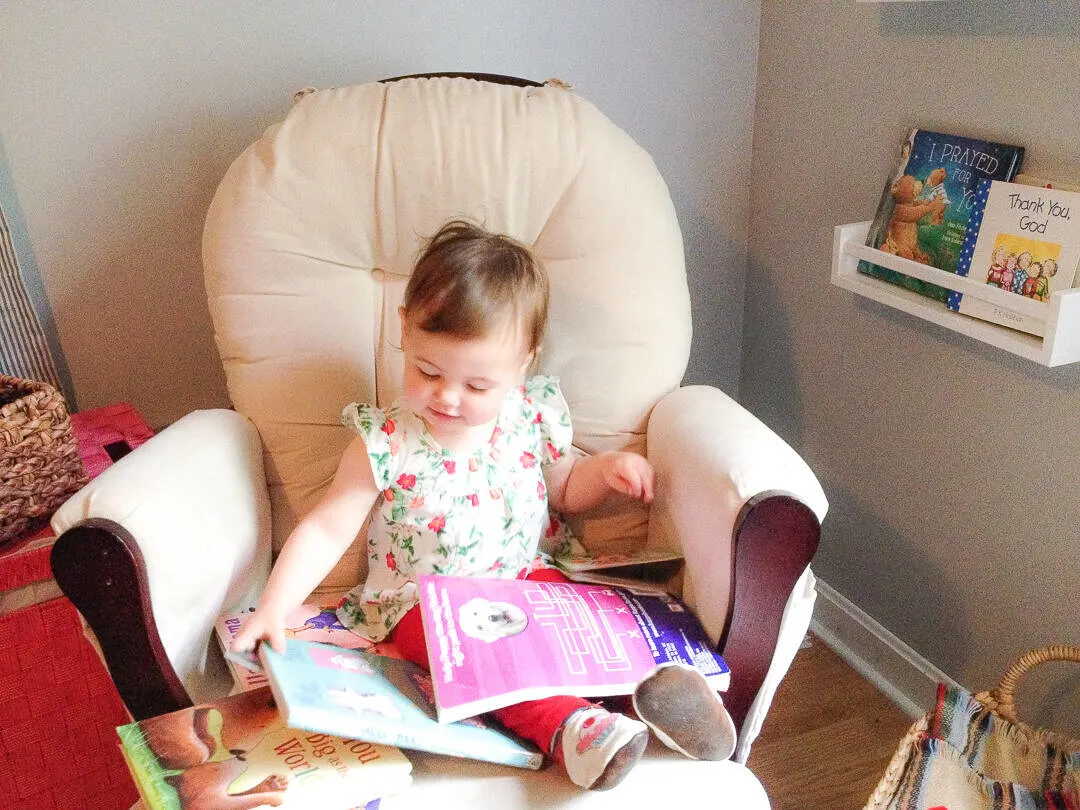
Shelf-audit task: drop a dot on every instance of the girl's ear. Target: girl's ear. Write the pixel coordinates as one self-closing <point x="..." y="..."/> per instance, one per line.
<point x="532" y="361"/>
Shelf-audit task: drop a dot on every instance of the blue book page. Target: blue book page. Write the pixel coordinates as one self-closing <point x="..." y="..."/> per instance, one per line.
<point x="370" y="697"/>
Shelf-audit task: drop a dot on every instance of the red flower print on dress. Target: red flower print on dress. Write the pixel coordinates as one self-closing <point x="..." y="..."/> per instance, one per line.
<point x="495" y="434"/>
<point x="437" y="523"/>
<point x="474" y="499"/>
<point x="388" y="494"/>
<point x="541" y="490"/>
<point x="474" y="464"/>
<point x="553" y="526"/>
<point x="450" y="466"/>
<point x="527" y="459"/>
<point x="416" y="502"/>
<point x="554" y="453"/>
<point x="496" y="493"/>
<point x="406" y="481"/>
<point x="539" y="418"/>
<point x="391" y="563"/>
<point x="388" y="428"/>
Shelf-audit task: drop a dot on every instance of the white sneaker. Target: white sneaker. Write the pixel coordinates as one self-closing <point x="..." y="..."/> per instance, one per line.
<point x="599" y="748"/>
<point x="685" y="713"/>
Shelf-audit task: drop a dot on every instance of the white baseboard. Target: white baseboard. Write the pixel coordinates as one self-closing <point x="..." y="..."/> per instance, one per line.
<point x="904" y="676"/>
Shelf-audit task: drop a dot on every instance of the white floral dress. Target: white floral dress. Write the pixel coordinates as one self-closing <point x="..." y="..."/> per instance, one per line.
<point x="482" y="513"/>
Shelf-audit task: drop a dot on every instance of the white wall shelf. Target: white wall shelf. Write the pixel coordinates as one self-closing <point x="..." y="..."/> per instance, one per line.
<point x="1060" y="316"/>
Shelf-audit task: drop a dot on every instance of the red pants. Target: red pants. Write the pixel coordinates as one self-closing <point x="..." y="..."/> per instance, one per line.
<point x="535" y="720"/>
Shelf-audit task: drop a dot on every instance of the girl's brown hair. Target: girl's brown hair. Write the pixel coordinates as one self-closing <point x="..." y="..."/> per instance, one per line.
<point x="468" y="280"/>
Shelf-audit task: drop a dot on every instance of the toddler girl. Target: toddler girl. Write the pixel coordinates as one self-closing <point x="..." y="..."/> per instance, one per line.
<point x="457" y="476"/>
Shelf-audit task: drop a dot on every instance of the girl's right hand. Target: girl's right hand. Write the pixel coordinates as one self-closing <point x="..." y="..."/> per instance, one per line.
<point x="262" y="626"/>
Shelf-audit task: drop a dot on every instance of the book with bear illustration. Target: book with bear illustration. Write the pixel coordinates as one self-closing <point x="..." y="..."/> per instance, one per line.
<point x="925" y="206"/>
<point x="237" y="753"/>
<point x="371" y="697"/>
<point x="1023" y="240"/>
<point x="497" y="642"/>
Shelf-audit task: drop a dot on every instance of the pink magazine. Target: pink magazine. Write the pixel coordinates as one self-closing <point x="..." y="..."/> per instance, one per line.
<point x="496" y="642"/>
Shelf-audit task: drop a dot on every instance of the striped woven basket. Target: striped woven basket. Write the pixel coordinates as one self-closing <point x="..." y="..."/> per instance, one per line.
<point x="39" y="456"/>
<point x="1001" y="701"/>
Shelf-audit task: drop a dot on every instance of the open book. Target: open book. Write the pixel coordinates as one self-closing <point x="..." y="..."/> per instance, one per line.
<point x="360" y="695"/>
<point x="643" y="571"/>
<point x="237" y="752"/>
<point x="497" y="642"/>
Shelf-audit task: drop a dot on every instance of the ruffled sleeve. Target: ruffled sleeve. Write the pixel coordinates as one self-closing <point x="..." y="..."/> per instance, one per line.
<point x="551" y="413"/>
<point x="380" y="432"/>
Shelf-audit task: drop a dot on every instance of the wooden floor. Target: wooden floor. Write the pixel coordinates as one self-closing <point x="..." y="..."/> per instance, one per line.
<point x="828" y="736"/>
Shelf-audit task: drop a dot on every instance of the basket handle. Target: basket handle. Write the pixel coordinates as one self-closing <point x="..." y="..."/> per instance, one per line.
<point x="1005" y="693"/>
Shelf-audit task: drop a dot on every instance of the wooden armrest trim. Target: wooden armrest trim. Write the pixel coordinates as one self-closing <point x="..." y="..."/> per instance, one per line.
<point x="775" y="537"/>
<point x="99" y="567"/>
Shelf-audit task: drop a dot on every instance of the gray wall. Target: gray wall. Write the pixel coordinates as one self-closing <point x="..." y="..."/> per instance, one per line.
<point x="951" y="466"/>
<point x="120" y="118"/>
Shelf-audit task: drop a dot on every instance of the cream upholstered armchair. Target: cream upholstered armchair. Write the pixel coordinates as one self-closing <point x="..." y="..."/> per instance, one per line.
<point x="308" y="246"/>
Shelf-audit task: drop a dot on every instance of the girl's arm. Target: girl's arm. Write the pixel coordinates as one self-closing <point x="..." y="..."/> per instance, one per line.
<point x="313" y="548"/>
<point x="577" y="483"/>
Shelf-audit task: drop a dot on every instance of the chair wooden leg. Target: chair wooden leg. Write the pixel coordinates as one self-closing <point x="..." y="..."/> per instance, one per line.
<point x="99" y="567"/>
<point x="776" y="537"/>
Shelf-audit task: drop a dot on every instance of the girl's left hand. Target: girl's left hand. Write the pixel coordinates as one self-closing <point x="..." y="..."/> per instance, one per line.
<point x="628" y="473"/>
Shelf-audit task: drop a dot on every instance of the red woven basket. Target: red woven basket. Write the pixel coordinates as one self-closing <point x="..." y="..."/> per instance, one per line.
<point x="39" y="456"/>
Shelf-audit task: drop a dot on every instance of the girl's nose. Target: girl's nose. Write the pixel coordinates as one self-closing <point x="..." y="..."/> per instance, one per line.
<point x="449" y="395"/>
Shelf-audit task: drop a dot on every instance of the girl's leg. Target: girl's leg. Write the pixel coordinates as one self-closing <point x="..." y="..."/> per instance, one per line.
<point x="408" y="637"/>
<point x="598" y="748"/>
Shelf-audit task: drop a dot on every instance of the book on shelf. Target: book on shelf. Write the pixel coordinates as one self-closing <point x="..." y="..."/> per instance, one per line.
<point x="643" y="571"/>
<point x="238" y="753"/>
<point x="925" y="206"/>
<point x="311" y="621"/>
<point x="371" y="697"/>
<point x="497" y="642"/>
<point x="1025" y="241"/>
<point x="1045" y="182"/>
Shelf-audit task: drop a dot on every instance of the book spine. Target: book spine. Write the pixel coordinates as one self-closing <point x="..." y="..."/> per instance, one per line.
<point x="963" y="263"/>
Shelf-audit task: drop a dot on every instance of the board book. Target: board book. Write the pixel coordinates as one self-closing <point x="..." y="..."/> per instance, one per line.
<point x="925" y="206"/>
<point x="497" y="642"/>
<point x="643" y="571"/>
<point x="371" y="697"/>
<point x="1023" y="240"/>
<point x="237" y="752"/>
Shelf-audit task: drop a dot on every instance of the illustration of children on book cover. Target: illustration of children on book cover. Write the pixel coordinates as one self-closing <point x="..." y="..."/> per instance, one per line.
<point x="1022" y="240"/>
<point x="236" y="754"/>
<point x="924" y="211"/>
<point x="1023" y="266"/>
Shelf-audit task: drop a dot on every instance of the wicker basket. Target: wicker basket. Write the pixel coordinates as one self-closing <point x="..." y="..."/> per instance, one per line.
<point x="39" y="457"/>
<point x="1001" y="701"/>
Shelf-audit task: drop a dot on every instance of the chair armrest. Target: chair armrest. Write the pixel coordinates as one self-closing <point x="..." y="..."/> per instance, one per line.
<point x="172" y="535"/>
<point x="745" y="509"/>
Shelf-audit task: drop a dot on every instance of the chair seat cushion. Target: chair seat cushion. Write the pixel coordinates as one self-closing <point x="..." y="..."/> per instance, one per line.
<point x="662" y="779"/>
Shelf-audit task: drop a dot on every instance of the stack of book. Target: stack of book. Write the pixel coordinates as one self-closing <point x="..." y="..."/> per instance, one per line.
<point x="962" y="205"/>
<point x="324" y="723"/>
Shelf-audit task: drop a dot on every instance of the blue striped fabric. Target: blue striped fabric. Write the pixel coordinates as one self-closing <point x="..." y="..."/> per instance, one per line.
<point x="29" y="345"/>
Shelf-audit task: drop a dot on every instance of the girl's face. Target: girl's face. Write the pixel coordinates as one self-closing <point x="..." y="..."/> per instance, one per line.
<point x="457" y="385"/>
<point x="1010" y="262"/>
<point x="1024" y="261"/>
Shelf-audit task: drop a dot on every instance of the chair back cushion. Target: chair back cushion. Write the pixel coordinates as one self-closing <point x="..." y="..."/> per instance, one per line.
<point x="313" y="232"/>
